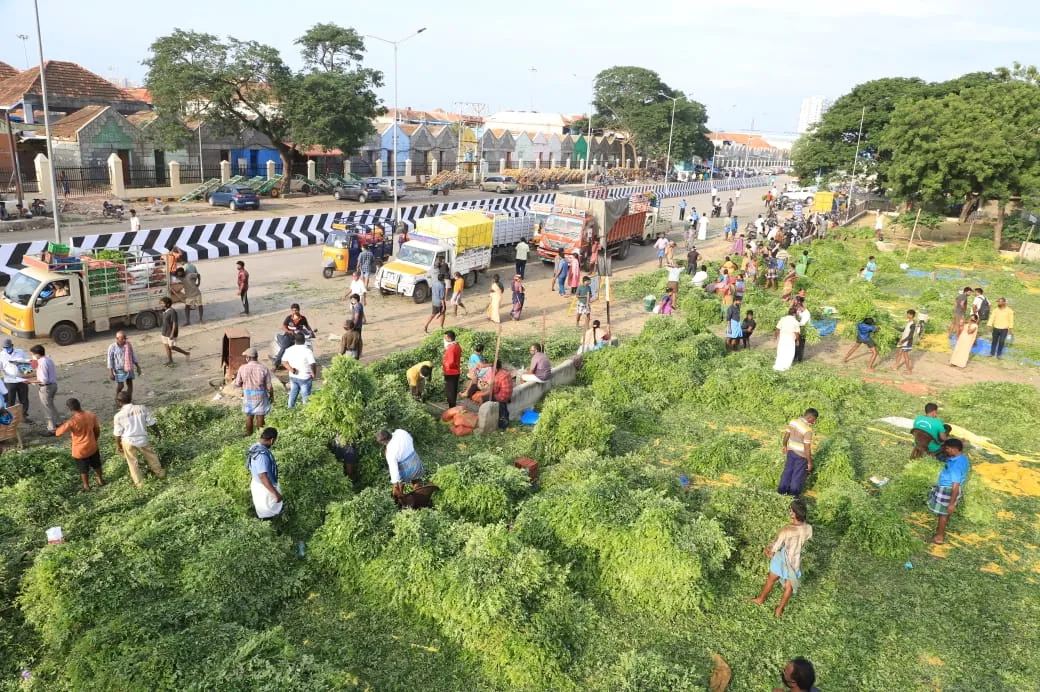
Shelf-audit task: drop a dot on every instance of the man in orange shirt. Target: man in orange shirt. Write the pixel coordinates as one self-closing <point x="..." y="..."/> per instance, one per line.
<point x="85" y="431"/>
<point x="502" y="390"/>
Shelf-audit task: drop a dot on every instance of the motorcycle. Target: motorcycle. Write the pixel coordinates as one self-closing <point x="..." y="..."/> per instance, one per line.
<point x="111" y="211"/>
<point x="281" y="337"/>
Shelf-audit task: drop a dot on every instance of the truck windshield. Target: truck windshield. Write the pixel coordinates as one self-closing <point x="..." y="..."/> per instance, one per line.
<point x="416" y="255"/>
<point x="21" y="289"/>
<point x="563" y="225"/>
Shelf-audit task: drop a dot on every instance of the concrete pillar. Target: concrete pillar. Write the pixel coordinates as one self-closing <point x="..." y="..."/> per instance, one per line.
<point x="501" y="165"/>
<point x="538" y="162"/>
<point x="568" y="162"/>
<point x="271" y="169"/>
<point x="115" y="175"/>
<point x="225" y="171"/>
<point x="520" y="163"/>
<point x="639" y="162"/>
<point x="433" y="167"/>
<point x="628" y="163"/>
<point x="346" y="168"/>
<point x="379" y="168"/>
<point x="43" y="175"/>
<point x="312" y="169"/>
<point x="408" y="168"/>
<point x="175" y="173"/>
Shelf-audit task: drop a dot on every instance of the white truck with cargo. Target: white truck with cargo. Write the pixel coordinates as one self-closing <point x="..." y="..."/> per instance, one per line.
<point x="466" y="241"/>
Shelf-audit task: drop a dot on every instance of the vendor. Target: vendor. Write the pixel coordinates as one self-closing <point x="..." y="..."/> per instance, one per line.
<point x="418" y="375"/>
<point x="401" y="458"/>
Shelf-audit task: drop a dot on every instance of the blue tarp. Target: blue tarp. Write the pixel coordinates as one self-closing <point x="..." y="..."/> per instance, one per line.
<point x="825" y="327"/>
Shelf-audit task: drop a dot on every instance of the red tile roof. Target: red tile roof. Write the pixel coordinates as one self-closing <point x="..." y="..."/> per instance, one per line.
<point x="64" y="80"/>
<point x="67" y="127"/>
<point x="6" y="71"/>
<point x="138" y="94"/>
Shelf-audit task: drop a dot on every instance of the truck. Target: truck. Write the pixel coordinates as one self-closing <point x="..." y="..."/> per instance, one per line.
<point x="63" y="296"/>
<point x="575" y="222"/>
<point x="465" y="239"/>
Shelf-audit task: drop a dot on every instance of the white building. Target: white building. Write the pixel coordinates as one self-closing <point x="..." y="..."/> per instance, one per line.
<point x="524" y="121"/>
<point x="812" y="112"/>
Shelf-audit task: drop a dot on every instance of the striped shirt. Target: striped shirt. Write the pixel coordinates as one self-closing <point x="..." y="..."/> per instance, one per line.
<point x="799" y="438"/>
<point x="46" y="373"/>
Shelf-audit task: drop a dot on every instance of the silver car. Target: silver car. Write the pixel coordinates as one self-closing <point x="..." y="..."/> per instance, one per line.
<point x="499" y="183"/>
<point x="386" y="184"/>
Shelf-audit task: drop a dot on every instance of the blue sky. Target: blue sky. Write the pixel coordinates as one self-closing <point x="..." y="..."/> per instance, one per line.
<point x="745" y="59"/>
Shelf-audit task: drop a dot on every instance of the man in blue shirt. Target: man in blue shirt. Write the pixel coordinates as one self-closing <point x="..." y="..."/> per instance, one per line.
<point x="946" y="494"/>
<point x="865" y="335"/>
<point x="267" y="496"/>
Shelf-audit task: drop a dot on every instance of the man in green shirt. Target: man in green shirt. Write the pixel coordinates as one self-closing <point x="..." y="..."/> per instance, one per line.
<point x="929" y="432"/>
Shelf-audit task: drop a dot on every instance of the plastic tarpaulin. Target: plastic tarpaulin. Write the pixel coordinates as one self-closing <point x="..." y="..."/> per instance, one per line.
<point x="605" y="212"/>
<point x="467" y="229"/>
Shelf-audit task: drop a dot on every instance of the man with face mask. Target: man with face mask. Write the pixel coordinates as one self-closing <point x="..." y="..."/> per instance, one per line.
<point x="11" y="359"/>
<point x="452" y="365"/>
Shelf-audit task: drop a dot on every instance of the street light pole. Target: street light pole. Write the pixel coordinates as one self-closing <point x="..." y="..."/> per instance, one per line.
<point x="671" y="129"/>
<point x="25" y="48"/>
<point x="397" y="120"/>
<point x="47" y="127"/>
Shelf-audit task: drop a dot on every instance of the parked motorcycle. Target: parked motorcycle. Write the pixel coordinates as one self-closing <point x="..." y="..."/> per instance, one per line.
<point x="111" y="211"/>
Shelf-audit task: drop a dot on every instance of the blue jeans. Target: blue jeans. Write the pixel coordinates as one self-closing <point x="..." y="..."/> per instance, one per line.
<point x="299" y="387"/>
<point x="561" y="283"/>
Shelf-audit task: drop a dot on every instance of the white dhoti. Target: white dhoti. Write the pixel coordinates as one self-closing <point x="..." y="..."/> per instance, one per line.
<point x="784" y="354"/>
<point x="264" y="501"/>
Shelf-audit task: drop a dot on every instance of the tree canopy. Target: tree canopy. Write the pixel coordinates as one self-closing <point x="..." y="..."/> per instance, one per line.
<point x="234" y="84"/>
<point x="635" y="102"/>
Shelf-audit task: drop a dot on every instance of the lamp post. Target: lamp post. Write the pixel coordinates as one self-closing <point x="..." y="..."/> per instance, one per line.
<point x="47" y="127"/>
<point x="397" y="119"/>
<point x="671" y="129"/>
<point x="25" y="47"/>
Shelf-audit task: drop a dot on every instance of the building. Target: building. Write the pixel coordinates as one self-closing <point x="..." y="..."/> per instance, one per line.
<point x="524" y="121"/>
<point x="812" y="112"/>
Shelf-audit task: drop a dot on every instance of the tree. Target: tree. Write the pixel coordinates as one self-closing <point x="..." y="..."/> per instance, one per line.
<point x="636" y="103"/>
<point x="235" y="84"/>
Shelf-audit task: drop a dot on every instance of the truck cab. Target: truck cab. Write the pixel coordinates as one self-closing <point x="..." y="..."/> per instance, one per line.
<point x="413" y="270"/>
<point x="40" y="303"/>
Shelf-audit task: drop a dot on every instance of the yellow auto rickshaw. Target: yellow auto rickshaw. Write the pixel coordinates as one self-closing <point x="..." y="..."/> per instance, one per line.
<point x="342" y="248"/>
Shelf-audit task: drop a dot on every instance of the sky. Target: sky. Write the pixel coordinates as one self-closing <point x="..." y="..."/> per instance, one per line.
<point x="748" y="61"/>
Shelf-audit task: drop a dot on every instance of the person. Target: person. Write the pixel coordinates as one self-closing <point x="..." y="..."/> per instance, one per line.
<point x="357" y="315"/>
<point x="772" y="271"/>
<point x="86" y="431"/>
<point x="752" y="270"/>
<point x="734" y="334"/>
<point x="350" y="341"/>
<point x="254" y="379"/>
<point x="949" y="488"/>
<point x="682" y="210"/>
<point x="243" y="286"/>
<point x="47" y="381"/>
<point x="760" y="226"/>
<point x="494" y="308"/>
<point x="906" y="341"/>
<point x="785" y="557"/>
<point x="560" y="273"/>
<point x="787" y="335"/>
<point x="541" y="368"/>
<point x="192" y="295"/>
<point x="660" y="246"/>
<point x="263" y="471"/>
<point x="747" y="328"/>
<point x="475" y="357"/>
<point x="366" y="264"/>
<point x="729" y="207"/>
<point x="691" y="259"/>
<point x="135" y="221"/>
<point x="457" y="287"/>
<point x="478" y="380"/>
<point x="451" y="365"/>
<point x="965" y="342"/>
<point x="582" y="298"/>
<point x="300" y="361"/>
<point x="797" y="441"/>
<point x="402" y="460"/>
<point x="701" y="277"/>
<point x="714" y="194"/>
<point x="674" y="272"/>
<point x="574" y="272"/>
<point x="798" y="676"/>
<point x="357" y="287"/>
<point x="804" y="318"/>
<point x="789" y="280"/>
<point x="980" y="305"/>
<point x="879" y="224"/>
<point x="518" y="297"/>
<point x="522" y="250"/>
<point x="727" y="228"/>
<point x="443" y="272"/>
<point x="869" y="269"/>
<point x="591" y="339"/>
<point x="438" y="305"/>
<point x="130" y="427"/>
<point x="12" y="360"/>
<point x="802" y="265"/>
<point x="667" y="303"/>
<point x="702" y="228"/>
<point x="417" y="376"/>
<point x="1002" y="322"/>
<point x="122" y="363"/>
<point x="865" y="331"/>
<point x="960" y="310"/>
<point x="170" y="331"/>
<point x="502" y="392"/>
<point x="929" y="432"/>
<point x="738" y="240"/>
<point x="64" y="183"/>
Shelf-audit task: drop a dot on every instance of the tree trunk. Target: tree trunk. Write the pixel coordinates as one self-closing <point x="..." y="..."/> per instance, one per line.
<point x="285" y="154"/>
<point x="998" y="227"/>
<point x="970" y="205"/>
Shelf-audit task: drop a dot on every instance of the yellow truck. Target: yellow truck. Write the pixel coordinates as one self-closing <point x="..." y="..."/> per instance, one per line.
<point x="64" y="297"/>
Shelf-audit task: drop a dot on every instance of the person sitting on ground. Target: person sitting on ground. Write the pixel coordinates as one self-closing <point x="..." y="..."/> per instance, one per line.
<point x="417" y="376"/>
<point x="541" y="368"/>
<point x="502" y="392"/>
<point x="949" y="488"/>
<point x="785" y="555"/>
<point x="476" y="356"/>
<point x="929" y="432"/>
<point x="592" y="338"/>
<point x="479" y="381"/>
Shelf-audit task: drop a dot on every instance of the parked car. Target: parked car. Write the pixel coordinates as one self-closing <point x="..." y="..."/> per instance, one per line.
<point x="387" y="186"/>
<point x="235" y="197"/>
<point x="499" y="183"/>
<point x="361" y="190"/>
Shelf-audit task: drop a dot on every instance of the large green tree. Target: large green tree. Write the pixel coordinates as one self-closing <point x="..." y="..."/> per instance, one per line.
<point x="637" y="103"/>
<point x="972" y="146"/>
<point x="233" y="84"/>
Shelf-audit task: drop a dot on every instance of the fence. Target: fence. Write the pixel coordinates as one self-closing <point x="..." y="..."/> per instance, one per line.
<point x="81" y="182"/>
<point x="145" y="177"/>
<point x="191" y="173"/>
<point x="9" y="186"/>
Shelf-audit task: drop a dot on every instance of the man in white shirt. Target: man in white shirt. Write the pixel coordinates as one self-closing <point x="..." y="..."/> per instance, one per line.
<point x="760" y="225"/>
<point x="702" y="228"/>
<point x="130" y="428"/>
<point x="661" y="245"/>
<point x="11" y="360"/>
<point x="701" y="277"/>
<point x="674" y="272"/>
<point x="300" y="361"/>
<point x="135" y="221"/>
<point x="522" y="252"/>
<point x="401" y="458"/>
<point x="787" y="336"/>
<point x="358" y="288"/>
<point x="714" y="194"/>
<point x="804" y="318"/>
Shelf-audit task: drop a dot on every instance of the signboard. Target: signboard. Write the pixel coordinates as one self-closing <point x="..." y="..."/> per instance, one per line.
<point x="823" y="202"/>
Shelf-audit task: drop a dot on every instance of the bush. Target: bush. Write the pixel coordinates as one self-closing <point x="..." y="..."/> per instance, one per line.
<point x="354" y="533"/>
<point x="648" y="671"/>
<point x="570" y="421"/>
<point x="484" y="488"/>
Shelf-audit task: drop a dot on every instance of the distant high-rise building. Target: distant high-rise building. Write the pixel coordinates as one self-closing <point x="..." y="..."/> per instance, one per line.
<point x="812" y="112"/>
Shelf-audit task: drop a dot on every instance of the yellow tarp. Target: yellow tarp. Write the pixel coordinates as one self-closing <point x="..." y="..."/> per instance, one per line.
<point x="469" y="229"/>
<point x="823" y="202"/>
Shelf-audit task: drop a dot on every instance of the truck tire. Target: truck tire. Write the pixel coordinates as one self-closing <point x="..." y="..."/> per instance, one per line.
<point x="470" y="280"/>
<point x="64" y="334"/>
<point x="421" y="293"/>
<point x="622" y="252"/>
<point x="145" y="320"/>
<point x="327" y="272"/>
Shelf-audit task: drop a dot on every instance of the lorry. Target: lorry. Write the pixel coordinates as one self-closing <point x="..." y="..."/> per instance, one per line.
<point x="63" y="296"/>
<point x="575" y="222"/>
<point x="464" y="239"/>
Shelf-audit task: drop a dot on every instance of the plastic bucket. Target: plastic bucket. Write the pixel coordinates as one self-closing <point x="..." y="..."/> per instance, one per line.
<point x="648" y="303"/>
<point x="55" y="535"/>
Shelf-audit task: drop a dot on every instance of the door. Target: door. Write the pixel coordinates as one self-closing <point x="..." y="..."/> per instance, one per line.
<point x="160" y="168"/>
<point x="124" y="157"/>
<point x="56" y="301"/>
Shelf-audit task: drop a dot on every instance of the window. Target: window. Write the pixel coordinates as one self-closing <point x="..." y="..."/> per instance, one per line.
<point x="416" y="255"/>
<point x="21" y="289"/>
<point x="563" y="225"/>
